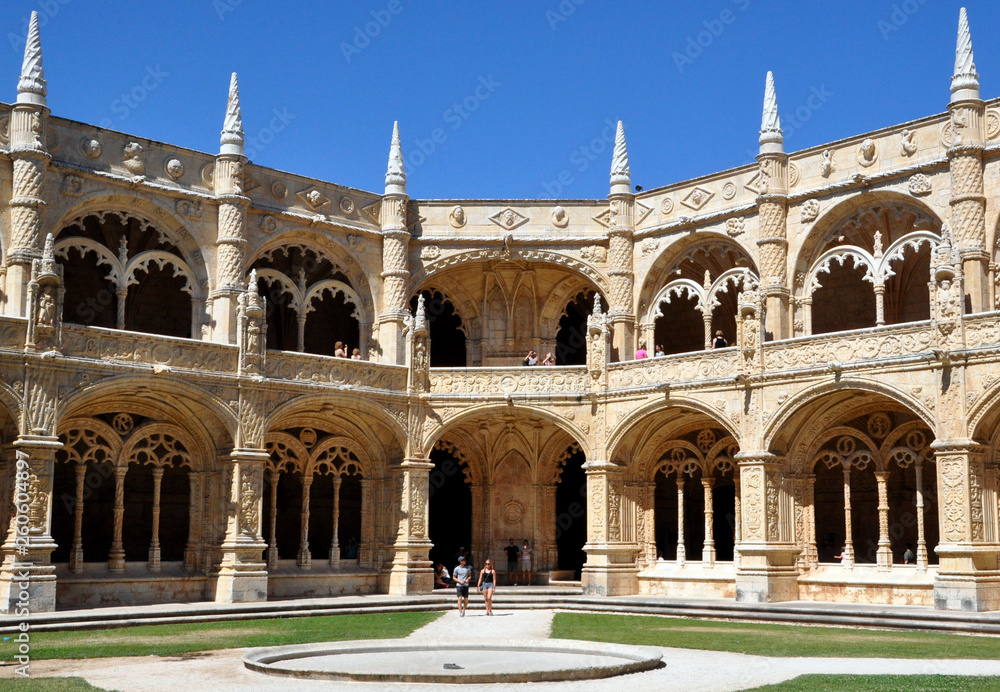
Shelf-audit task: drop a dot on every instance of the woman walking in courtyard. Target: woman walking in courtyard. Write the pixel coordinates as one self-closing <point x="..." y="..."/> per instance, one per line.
<point x="526" y="564"/>
<point x="487" y="581"/>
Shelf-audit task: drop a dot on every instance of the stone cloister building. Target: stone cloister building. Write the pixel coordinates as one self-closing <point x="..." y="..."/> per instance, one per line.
<point x="175" y="424"/>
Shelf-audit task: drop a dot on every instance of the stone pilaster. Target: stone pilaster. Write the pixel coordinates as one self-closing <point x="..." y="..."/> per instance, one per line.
<point x="411" y="567"/>
<point x="767" y="566"/>
<point x="242" y="574"/>
<point x="27" y="576"/>
<point x="968" y="576"/>
<point x="611" y="568"/>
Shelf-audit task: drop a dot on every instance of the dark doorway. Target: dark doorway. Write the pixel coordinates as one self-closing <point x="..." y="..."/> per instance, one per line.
<point x="665" y="516"/>
<point x="447" y="337"/>
<point x="724" y="518"/>
<point x="571" y="515"/>
<point x="332" y="319"/>
<point x="450" y="509"/>
<point x="681" y="329"/>
<point x="571" y="339"/>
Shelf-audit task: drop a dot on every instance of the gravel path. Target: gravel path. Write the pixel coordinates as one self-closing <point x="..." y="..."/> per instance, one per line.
<point x="684" y="669"/>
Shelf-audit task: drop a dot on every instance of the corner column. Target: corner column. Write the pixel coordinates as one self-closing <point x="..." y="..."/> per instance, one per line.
<point x="242" y="575"/>
<point x="767" y="570"/>
<point x="411" y="567"/>
<point x="27" y="575"/>
<point x="611" y="568"/>
<point x="968" y="576"/>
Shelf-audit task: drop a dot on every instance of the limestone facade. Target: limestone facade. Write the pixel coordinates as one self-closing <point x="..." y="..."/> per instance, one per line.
<point x="176" y="425"/>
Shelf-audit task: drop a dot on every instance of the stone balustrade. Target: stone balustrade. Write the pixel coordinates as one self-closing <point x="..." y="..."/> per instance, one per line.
<point x="503" y="381"/>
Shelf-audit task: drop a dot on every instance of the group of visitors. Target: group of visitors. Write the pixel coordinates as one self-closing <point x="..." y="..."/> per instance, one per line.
<point x="532" y="359"/>
<point x="641" y="353"/>
<point x="340" y="351"/>
<point x="518" y="561"/>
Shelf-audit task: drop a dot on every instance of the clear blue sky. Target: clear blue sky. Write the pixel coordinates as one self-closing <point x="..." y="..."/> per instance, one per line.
<point x="539" y="80"/>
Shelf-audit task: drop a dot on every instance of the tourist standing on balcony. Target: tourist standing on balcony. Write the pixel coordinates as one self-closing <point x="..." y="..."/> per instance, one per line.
<point x="487" y="579"/>
<point x="339" y="350"/>
<point x="531" y="358"/>
<point x="908" y="557"/>
<point x="512" y="552"/>
<point x="719" y="341"/>
<point x="641" y="354"/>
<point x="526" y="564"/>
<point x="549" y="359"/>
<point x="658" y="352"/>
<point x="356" y="354"/>
<point x="461" y="576"/>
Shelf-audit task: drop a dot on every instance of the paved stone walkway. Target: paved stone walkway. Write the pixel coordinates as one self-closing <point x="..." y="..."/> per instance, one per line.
<point x="684" y="669"/>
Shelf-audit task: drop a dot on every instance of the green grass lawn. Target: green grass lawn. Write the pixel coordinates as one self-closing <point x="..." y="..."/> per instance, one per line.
<point x="167" y="640"/>
<point x="884" y="683"/>
<point x="46" y="685"/>
<point x="771" y="640"/>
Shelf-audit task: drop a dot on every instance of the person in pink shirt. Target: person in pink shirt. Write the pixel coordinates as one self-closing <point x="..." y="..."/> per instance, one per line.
<point x="641" y="353"/>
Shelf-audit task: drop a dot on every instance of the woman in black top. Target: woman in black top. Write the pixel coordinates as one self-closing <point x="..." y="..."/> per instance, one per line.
<point x="719" y="341"/>
<point x="487" y="578"/>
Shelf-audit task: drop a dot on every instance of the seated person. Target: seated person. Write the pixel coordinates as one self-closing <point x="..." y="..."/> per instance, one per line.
<point x="442" y="579"/>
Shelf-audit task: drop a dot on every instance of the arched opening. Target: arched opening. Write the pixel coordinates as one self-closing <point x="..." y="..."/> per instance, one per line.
<point x="161" y="288"/>
<point x="571" y="339"/>
<point x="289" y="513"/>
<point x="907" y="298"/>
<point x="137" y="526"/>
<point x="450" y="508"/>
<point x="331" y="319"/>
<point x="446" y="331"/>
<point x="321" y="516"/>
<point x="724" y="517"/>
<point x="349" y="528"/>
<point x="845" y="301"/>
<point x="175" y="507"/>
<point x="681" y="328"/>
<point x="571" y="514"/>
<point x="110" y="257"/>
<point x="98" y="511"/>
<point x="665" y="512"/>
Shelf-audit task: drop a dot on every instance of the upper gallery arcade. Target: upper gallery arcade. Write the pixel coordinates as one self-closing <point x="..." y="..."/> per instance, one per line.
<point x="170" y="321"/>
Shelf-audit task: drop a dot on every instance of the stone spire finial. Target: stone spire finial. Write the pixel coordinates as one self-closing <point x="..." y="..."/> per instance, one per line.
<point x="49" y="251"/>
<point x="31" y="87"/>
<point x="395" y="176"/>
<point x="232" y="129"/>
<point x="621" y="176"/>
<point x="965" y="81"/>
<point x="771" y="140"/>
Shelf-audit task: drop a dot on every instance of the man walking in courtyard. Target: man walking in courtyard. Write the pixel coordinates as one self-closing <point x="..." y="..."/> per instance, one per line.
<point x="461" y="576"/>
<point x="512" y="555"/>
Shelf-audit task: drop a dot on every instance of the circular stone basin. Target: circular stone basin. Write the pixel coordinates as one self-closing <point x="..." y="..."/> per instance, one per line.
<point x="485" y="661"/>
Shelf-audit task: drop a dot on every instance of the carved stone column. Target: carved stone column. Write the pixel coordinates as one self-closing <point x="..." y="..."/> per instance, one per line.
<point x="611" y="568"/>
<point x="76" y="552"/>
<point x="968" y="576"/>
<point x="272" y="541"/>
<point x="621" y="279"/>
<point x="366" y="547"/>
<point x="737" y="519"/>
<point x="767" y="571"/>
<point x="411" y="566"/>
<point x="811" y="560"/>
<point x="304" y="560"/>
<point x="242" y="575"/>
<point x="28" y="122"/>
<point x="848" y="526"/>
<point x="395" y="256"/>
<point x="708" y="552"/>
<point x="884" y="554"/>
<point x="28" y="548"/>
<point x="681" y="543"/>
<point x="921" y="537"/>
<point x="116" y="556"/>
<point x="335" y="540"/>
<point x="772" y="213"/>
<point x="231" y="241"/>
<point x="154" y="545"/>
<point x="598" y="347"/>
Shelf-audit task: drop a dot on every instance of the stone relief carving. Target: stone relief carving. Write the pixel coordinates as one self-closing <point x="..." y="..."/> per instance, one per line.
<point x="174" y="168"/>
<point x="559" y="217"/>
<point x="735" y="226"/>
<point x="346" y="205"/>
<point x="267" y="224"/>
<point x="919" y="185"/>
<point x="189" y="209"/>
<point x="667" y="205"/>
<point x="648" y="246"/>
<point x="279" y="190"/>
<point x="72" y="185"/>
<point x="697" y="198"/>
<point x="827" y="165"/>
<point x="728" y="191"/>
<point x="134" y="158"/>
<point x="457" y="217"/>
<point x="810" y="211"/>
<point x="907" y="143"/>
<point x="91" y="147"/>
<point x="867" y="152"/>
<point x="595" y="254"/>
<point x="509" y="219"/>
<point x="313" y="198"/>
<point x="430" y="252"/>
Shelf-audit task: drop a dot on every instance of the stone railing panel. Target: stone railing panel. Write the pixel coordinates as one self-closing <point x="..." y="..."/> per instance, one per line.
<point x="285" y="365"/>
<point x="847" y="347"/>
<point x="982" y="330"/>
<point x="119" y="346"/>
<point x="699" y="365"/>
<point x="536" y="380"/>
